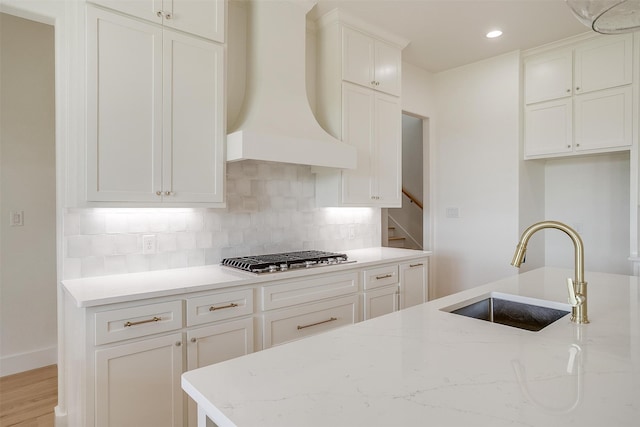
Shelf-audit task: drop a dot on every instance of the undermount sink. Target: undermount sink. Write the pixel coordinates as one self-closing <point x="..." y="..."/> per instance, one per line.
<point x="512" y="310"/>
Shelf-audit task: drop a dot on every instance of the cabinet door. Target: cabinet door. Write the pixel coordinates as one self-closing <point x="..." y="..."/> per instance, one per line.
<point x="380" y="302"/>
<point x="548" y="128"/>
<point x="203" y="18"/>
<point x="413" y="283"/>
<point x="548" y="76"/>
<point x="603" y="119"/>
<point x="358" y="52"/>
<point x="138" y="384"/>
<point x="357" y="130"/>
<point x="217" y="343"/>
<point x="124" y="108"/>
<point x="388" y="62"/>
<point x="603" y="63"/>
<point x="387" y="151"/>
<point x="193" y="119"/>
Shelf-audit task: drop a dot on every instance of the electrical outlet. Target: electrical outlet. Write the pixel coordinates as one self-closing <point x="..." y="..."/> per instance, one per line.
<point x="149" y="244"/>
<point x="16" y="218"/>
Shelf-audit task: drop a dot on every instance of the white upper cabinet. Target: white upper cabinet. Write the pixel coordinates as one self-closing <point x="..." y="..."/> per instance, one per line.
<point x="370" y="62"/>
<point x="202" y="18"/>
<point x="603" y="63"/>
<point x="579" y="99"/>
<point x="548" y="76"/>
<point x="359" y="73"/>
<point x="372" y="123"/>
<point x="155" y="100"/>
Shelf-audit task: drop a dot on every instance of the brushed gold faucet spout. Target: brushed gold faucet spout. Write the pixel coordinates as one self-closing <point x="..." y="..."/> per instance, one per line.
<point x="578" y="297"/>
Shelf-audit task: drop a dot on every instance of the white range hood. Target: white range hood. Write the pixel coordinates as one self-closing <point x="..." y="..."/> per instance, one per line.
<point x="276" y="122"/>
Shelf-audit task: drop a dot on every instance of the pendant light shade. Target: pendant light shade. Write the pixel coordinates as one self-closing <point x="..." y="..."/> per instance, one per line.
<point x="608" y="16"/>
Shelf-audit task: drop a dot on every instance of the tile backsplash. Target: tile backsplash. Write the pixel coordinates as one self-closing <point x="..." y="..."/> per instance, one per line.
<point x="270" y="208"/>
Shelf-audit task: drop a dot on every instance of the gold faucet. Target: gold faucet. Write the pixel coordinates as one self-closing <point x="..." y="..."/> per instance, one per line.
<point x="578" y="287"/>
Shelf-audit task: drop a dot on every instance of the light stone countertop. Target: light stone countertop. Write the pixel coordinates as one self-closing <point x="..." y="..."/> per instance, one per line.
<point x="424" y="366"/>
<point x="94" y="291"/>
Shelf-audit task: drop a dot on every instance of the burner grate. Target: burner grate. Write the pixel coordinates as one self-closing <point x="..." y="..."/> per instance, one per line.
<point x="282" y="261"/>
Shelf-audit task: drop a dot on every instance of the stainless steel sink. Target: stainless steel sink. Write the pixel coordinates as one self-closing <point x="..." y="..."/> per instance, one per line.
<point x="512" y="310"/>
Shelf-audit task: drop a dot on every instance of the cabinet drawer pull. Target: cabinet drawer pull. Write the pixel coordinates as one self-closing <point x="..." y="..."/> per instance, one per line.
<point x="386" y="276"/>
<point x="154" y="319"/>
<point x="318" y="323"/>
<point x="212" y="308"/>
<point x="415" y="265"/>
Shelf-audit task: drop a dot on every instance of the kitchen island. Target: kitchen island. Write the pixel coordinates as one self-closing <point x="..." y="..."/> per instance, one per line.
<point x="427" y="366"/>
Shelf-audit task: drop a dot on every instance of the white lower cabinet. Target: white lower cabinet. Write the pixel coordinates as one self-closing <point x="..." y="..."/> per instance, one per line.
<point x="302" y="321"/>
<point x="138" y="383"/>
<point x="125" y="359"/>
<point x="414" y="280"/>
<point x="140" y="353"/>
<point x="217" y="343"/>
<point x="379" y="302"/>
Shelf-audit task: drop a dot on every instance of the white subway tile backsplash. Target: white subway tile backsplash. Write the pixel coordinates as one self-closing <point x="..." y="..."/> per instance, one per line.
<point x="270" y="208"/>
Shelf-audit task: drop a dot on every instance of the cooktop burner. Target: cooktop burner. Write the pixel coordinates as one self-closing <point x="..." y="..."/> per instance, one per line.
<point x="271" y="263"/>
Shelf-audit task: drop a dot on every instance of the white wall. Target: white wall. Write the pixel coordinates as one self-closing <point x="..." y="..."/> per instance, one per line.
<point x="590" y="194"/>
<point x="476" y="147"/>
<point x="28" y="253"/>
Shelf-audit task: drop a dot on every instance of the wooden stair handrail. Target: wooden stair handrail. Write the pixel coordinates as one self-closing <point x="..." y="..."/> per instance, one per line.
<point x="412" y="198"/>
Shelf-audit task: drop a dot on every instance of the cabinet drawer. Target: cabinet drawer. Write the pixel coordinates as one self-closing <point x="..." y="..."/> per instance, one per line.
<point x="299" y="322"/>
<point x="382" y="276"/>
<point x="307" y="289"/>
<point x="126" y="323"/>
<point x="220" y="306"/>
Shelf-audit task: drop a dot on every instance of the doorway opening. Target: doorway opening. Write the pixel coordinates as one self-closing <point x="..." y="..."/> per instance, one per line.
<point x="408" y="226"/>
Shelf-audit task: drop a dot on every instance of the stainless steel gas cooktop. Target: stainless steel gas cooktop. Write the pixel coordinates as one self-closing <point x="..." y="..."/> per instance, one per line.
<point x="271" y="263"/>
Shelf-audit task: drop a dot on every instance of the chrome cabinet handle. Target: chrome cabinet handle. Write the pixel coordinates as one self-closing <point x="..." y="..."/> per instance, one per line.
<point x="168" y="15"/>
<point x="154" y="319"/>
<point x="193" y="339"/>
<point x="159" y="14"/>
<point x="158" y="193"/>
<point x="318" y="323"/>
<point x="178" y="343"/>
<point x="213" y="308"/>
<point x="168" y="193"/>
<point x="415" y="265"/>
<point x="386" y="276"/>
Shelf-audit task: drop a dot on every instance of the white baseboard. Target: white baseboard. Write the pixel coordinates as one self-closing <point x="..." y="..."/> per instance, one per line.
<point x="60" y="417"/>
<point x="16" y="363"/>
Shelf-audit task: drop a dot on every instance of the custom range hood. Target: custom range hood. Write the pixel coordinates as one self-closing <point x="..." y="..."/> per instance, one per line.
<point x="276" y="123"/>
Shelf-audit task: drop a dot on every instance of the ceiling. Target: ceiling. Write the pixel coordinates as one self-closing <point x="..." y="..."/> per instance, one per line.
<point x="445" y="34"/>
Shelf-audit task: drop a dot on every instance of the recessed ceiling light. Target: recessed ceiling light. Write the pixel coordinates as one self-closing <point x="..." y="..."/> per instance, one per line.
<point x="493" y="34"/>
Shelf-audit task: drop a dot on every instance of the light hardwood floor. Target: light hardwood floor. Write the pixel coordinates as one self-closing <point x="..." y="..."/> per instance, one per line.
<point x="27" y="399"/>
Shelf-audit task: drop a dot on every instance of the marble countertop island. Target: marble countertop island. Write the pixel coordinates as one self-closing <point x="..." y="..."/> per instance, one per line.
<point x="426" y="366"/>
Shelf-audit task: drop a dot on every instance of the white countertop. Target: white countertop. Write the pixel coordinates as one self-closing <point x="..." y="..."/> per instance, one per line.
<point x="117" y="288"/>
<point x="423" y="366"/>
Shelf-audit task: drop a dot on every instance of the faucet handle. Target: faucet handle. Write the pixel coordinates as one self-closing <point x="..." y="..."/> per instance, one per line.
<point x="573" y="300"/>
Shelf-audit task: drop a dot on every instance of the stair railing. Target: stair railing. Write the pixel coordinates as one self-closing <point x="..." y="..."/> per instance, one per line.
<point x="412" y="198"/>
